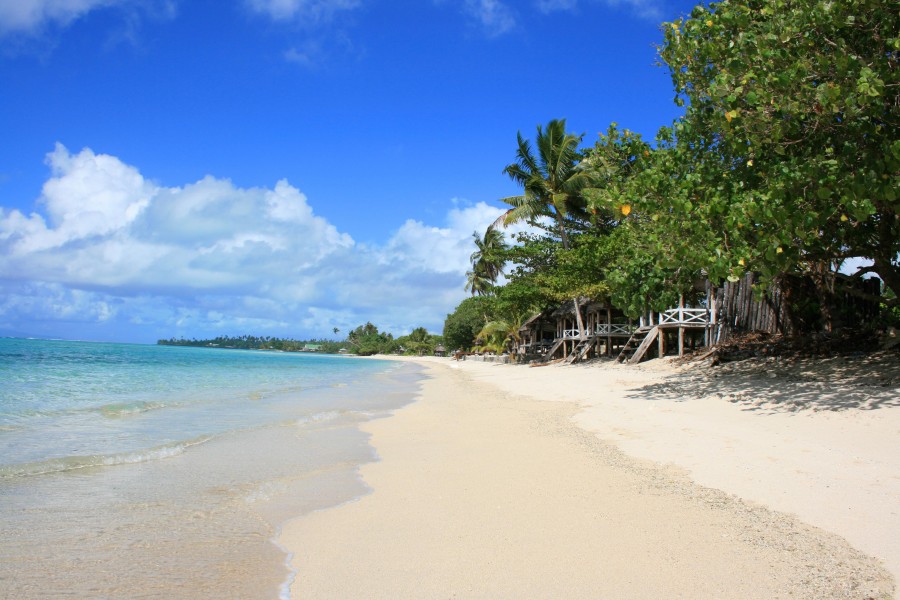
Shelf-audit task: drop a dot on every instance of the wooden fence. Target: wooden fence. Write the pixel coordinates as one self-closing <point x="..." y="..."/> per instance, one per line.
<point x="739" y="308"/>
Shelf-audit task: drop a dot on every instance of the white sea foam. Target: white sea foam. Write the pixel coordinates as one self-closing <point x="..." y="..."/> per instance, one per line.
<point x="72" y="463"/>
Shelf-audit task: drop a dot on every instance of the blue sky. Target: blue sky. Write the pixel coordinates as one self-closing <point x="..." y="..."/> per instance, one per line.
<point x="283" y="167"/>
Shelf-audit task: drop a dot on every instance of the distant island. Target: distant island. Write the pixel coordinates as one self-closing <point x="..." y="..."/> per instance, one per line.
<point x="252" y="342"/>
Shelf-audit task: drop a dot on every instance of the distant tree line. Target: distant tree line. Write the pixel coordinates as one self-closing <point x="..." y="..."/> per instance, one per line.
<point x="252" y="342"/>
<point x="365" y="340"/>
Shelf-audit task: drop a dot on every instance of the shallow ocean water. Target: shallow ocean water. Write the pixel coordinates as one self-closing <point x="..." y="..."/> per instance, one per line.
<point x="150" y="472"/>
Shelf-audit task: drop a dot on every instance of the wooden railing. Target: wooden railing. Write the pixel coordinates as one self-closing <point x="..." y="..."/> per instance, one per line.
<point x="601" y="329"/>
<point x="574" y="334"/>
<point x="623" y="329"/>
<point x="691" y="317"/>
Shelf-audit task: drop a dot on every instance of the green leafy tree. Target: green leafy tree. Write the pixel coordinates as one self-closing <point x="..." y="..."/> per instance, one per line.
<point x="788" y="150"/>
<point x="418" y="342"/>
<point x="463" y="324"/>
<point x="366" y="340"/>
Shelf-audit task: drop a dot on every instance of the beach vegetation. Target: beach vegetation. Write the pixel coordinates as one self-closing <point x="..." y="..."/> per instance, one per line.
<point x="787" y="158"/>
<point x="366" y="340"/>
<point x="500" y="335"/>
<point x="552" y="184"/>
<point x="487" y="261"/>
<point x="252" y="342"/>
<point x="785" y="164"/>
<point x="419" y="342"/>
<point x="462" y="326"/>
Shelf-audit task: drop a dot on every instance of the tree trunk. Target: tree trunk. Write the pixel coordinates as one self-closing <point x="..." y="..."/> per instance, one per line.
<point x="823" y="279"/>
<point x="578" y="318"/>
<point x="885" y="256"/>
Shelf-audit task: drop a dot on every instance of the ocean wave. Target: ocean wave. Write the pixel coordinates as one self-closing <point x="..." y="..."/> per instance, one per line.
<point x="72" y="463"/>
<point x="125" y="409"/>
<point x="111" y="410"/>
<point x="320" y="418"/>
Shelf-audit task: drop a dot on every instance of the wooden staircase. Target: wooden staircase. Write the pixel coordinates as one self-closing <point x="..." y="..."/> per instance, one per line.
<point x="552" y="350"/>
<point x="638" y="345"/>
<point x="581" y="350"/>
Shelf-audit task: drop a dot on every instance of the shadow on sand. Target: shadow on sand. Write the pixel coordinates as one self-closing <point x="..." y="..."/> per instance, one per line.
<point x="780" y="385"/>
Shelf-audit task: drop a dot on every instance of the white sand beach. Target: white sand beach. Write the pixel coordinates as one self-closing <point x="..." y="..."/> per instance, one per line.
<point x="753" y="480"/>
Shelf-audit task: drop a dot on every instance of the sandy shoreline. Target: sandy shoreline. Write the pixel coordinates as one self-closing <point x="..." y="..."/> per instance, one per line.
<point x="484" y="490"/>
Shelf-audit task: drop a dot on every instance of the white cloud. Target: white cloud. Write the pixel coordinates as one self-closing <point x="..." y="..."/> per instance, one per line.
<point x="548" y="6"/>
<point x="28" y="15"/>
<point x="33" y="16"/>
<point x="647" y="9"/>
<point x="307" y="57"/>
<point x="106" y="247"/>
<point x="494" y="16"/>
<point x="304" y="11"/>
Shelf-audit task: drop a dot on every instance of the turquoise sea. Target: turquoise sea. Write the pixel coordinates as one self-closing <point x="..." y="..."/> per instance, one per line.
<point x="137" y="471"/>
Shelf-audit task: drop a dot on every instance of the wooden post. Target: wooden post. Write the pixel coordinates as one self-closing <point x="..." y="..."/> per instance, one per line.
<point x="681" y="325"/>
<point x="608" y="331"/>
<point x="661" y="342"/>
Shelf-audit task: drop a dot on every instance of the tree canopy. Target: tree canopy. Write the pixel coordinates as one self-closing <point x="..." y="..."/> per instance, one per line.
<point x="785" y="163"/>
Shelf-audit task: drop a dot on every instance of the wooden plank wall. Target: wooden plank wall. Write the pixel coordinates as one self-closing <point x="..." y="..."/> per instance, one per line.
<point x="740" y="310"/>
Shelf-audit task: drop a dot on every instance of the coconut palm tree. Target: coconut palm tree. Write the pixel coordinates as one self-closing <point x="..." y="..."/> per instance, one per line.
<point x="490" y="254"/>
<point x="478" y="283"/>
<point x="501" y="334"/>
<point x="551" y="181"/>
<point x="487" y="261"/>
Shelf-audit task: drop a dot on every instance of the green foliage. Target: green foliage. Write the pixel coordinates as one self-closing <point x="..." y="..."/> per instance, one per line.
<point x="500" y="335"/>
<point x="366" y="340"/>
<point x="551" y="180"/>
<point x="788" y="149"/>
<point x="785" y="163"/>
<point x="487" y="261"/>
<point x="419" y="342"/>
<point x="463" y="324"/>
<point x="252" y="342"/>
<point x="612" y="164"/>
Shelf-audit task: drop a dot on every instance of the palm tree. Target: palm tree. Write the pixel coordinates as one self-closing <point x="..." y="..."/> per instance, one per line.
<point x="478" y="283"/>
<point x="502" y="333"/>
<point x="487" y="261"/>
<point x="552" y="183"/>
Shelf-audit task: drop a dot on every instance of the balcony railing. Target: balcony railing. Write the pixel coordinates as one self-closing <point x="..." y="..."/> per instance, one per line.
<point x="601" y="329"/>
<point x="573" y="334"/>
<point x="614" y="329"/>
<point x="696" y="317"/>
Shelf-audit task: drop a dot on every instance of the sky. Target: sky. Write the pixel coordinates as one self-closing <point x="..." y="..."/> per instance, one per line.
<point x="194" y="168"/>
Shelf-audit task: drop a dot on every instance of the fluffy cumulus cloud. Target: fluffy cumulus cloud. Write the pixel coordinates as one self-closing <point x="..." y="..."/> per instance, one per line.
<point x="106" y="248"/>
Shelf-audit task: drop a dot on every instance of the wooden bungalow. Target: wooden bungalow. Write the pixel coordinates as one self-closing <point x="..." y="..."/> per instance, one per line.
<point x="556" y="334"/>
<point x="705" y="316"/>
<point x="536" y="336"/>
